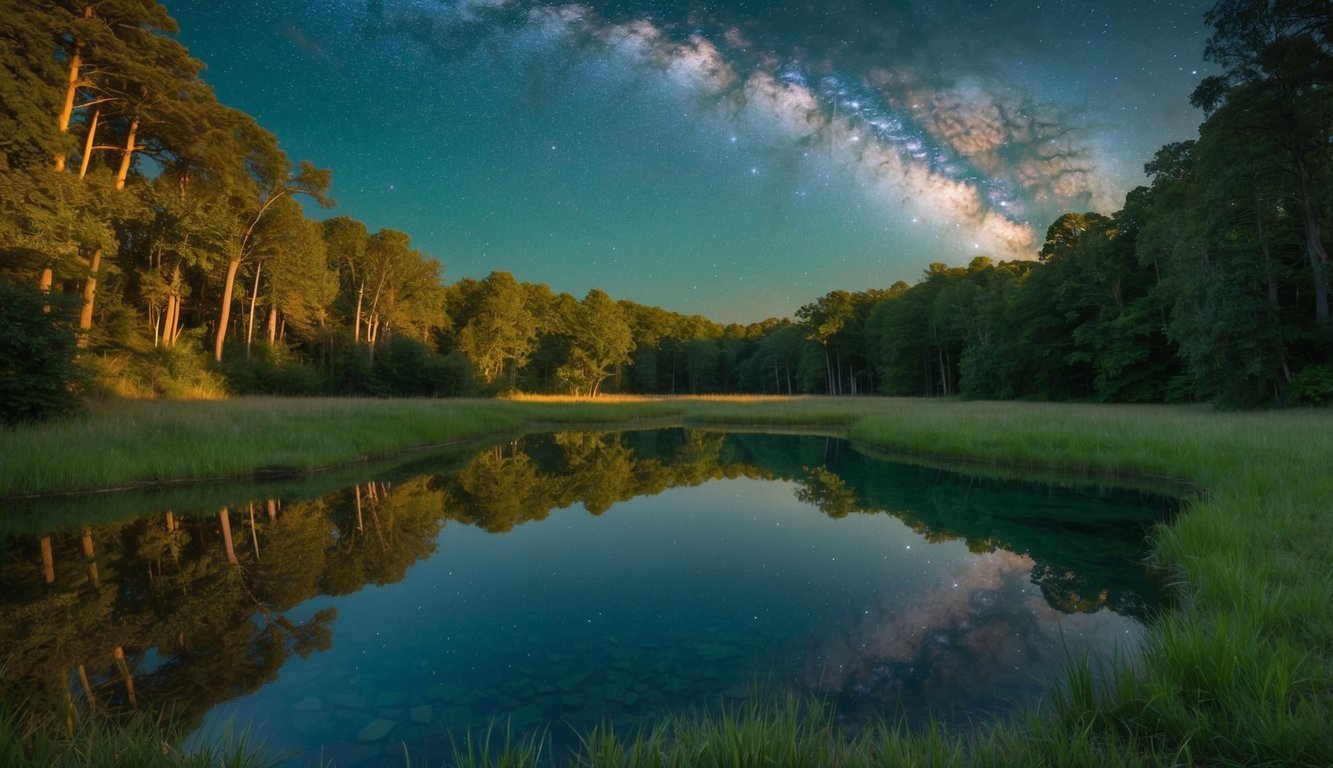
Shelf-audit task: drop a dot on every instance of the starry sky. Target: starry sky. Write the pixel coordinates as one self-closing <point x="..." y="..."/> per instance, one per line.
<point x="730" y="158"/>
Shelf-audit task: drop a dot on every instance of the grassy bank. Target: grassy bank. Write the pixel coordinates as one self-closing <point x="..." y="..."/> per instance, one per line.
<point x="127" y="442"/>
<point x="1242" y="674"/>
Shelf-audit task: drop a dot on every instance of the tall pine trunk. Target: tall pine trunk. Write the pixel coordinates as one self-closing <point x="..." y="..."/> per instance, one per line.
<point x="88" y="144"/>
<point x="1314" y="248"/>
<point x="89" y="294"/>
<point x="228" y="287"/>
<point x="127" y="156"/>
<point x="71" y="90"/>
<point x="250" y="318"/>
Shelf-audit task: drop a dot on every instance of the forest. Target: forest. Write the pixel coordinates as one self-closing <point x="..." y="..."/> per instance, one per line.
<point x="155" y="242"/>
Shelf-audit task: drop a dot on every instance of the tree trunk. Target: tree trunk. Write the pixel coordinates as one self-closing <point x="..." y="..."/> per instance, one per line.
<point x="360" y="521"/>
<point x="93" y="577"/>
<point x="224" y="520"/>
<point x="1274" y="308"/>
<point x="272" y="325"/>
<point x="1314" y="247"/>
<point x="71" y="89"/>
<point x="87" y="689"/>
<point x="88" y="144"/>
<point x="169" y="323"/>
<point x="48" y="277"/>
<point x="250" y="318"/>
<point x="228" y="286"/>
<point x="89" y="294"/>
<point x="48" y="561"/>
<point x="128" y="156"/>
<point x="254" y="531"/>
<point x="828" y="373"/>
<point x="124" y="668"/>
<point x="174" y="307"/>
<point x="356" y="326"/>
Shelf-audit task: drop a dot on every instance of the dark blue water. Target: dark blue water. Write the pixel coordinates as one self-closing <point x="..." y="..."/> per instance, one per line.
<point x="710" y="570"/>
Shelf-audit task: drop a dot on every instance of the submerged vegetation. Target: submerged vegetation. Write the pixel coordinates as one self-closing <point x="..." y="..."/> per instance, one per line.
<point x="1240" y="674"/>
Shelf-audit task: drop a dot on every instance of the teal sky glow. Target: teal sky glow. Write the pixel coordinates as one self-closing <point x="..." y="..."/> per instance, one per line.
<point x="729" y="159"/>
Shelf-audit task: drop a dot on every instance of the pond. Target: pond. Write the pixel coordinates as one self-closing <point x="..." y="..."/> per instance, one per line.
<point x="567" y="579"/>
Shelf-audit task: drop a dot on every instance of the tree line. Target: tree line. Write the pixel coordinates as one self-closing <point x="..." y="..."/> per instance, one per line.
<point x="153" y="241"/>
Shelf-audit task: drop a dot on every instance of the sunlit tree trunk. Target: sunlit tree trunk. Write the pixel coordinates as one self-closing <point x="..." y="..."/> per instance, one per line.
<point x="88" y="144"/>
<point x="89" y="294"/>
<point x="71" y="89"/>
<point x="128" y="157"/>
<point x="356" y="326"/>
<point x="233" y="264"/>
<point x="228" y="287"/>
<point x="172" y="326"/>
<point x="250" y="317"/>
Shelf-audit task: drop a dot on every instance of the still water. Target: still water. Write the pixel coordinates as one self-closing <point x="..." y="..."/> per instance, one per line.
<point x="564" y="580"/>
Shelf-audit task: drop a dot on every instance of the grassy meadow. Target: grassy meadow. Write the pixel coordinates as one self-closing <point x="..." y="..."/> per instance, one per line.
<point x="1241" y="673"/>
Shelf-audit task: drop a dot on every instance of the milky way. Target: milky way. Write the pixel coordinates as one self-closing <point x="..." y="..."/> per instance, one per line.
<point x="733" y="159"/>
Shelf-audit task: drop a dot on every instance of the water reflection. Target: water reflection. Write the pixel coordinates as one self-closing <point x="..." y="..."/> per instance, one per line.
<point x="354" y="618"/>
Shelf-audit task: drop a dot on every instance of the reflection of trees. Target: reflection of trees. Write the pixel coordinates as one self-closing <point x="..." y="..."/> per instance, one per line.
<point x="495" y="492"/>
<point x="189" y="611"/>
<point x="186" y="612"/>
<point x="521" y="482"/>
<point x="828" y="493"/>
<point x="1086" y="547"/>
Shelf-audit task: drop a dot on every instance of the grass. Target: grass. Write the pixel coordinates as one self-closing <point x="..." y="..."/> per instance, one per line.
<point x="1240" y="674"/>
<point x="28" y="741"/>
<point x="132" y="442"/>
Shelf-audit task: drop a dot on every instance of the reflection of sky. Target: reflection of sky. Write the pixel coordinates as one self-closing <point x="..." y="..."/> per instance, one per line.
<point x="718" y="157"/>
<point x="981" y="635"/>
<point x="804" y="600"/>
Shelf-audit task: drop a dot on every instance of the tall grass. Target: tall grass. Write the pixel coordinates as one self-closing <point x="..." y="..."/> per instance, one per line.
<point x="138" y="740"/>
<point x="1240" y="674"/>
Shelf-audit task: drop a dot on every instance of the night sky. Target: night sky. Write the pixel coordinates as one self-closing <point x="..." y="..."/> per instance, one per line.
<point x="731" y="159"/>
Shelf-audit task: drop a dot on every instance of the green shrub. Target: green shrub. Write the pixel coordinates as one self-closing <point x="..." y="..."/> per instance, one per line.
<point x="1312" y="386"/>
<point x="409" y="368"/>
<point x="39" y="376"/>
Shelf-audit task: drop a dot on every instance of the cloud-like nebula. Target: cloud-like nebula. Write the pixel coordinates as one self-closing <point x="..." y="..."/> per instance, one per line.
<point x="881" y="89"/>
<point x="982" y="633"/>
